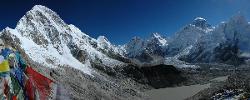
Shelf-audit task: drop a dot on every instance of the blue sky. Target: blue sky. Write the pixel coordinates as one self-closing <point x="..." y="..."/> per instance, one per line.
<point x="120" y="20"/>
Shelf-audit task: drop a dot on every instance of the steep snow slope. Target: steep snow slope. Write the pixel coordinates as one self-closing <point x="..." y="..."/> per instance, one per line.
<point x="90" y="46"/>
<point x="48" y="40"/>
<point x="49" y="56"/>
<point x="104" y="44"/>
<point x="156" y="43"/>
<point x="157" y="39"/>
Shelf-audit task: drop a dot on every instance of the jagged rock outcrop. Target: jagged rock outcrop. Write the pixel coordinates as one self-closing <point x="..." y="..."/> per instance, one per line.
<point x="146" y="51"/>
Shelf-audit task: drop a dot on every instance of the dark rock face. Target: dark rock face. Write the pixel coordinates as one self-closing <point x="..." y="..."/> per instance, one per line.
<point x="227" y="53"/>
<point x="80" y="55"/>
<point x="158" y="76"/>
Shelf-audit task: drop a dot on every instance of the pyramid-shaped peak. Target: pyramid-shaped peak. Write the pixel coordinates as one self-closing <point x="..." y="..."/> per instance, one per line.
<point x="156" y="35"/>
<point x="39" y="7"/>
<point x="103" y="39"/>
<point x="201" y="22"/>
<point x="39" y="18"/>
<point x="200" y="19"/>
<point x="40" y="10"/>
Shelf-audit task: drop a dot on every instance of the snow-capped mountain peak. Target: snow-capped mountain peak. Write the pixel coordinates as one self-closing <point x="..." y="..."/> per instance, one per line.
<point x="134" y="46"/>
<point x="201" y="23"/>
<point x="160" y="40"/>
<point x="104" y="44"/>
<point x="43" y="25"/>
<point x="49" y="41"/>
<point x="103" y="41"/>
<point x="40" y="16"/>
<point x="200" y="19"/>
<point x="156" y="35"/>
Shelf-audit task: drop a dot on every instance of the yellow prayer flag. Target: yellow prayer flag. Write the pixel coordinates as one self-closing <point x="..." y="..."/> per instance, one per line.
<point x="4" y="66"/>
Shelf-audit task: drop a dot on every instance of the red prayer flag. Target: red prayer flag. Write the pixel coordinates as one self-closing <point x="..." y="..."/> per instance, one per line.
<point x="14" y="98"/>
<point x="6" y="89"/>
<point x="30" y="91"/>
<point x="40" y="82"/>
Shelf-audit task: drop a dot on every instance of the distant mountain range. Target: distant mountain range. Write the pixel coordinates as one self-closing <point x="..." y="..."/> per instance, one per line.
<point x="198" y="42"/>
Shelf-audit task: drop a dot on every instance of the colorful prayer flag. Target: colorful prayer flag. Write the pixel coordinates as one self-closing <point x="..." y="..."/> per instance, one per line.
<point x="41" y="83"/>
<point x="4" y="66"/>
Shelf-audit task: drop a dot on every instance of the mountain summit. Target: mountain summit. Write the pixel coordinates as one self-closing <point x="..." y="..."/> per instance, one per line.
<point x="48" y="40"/>
<point x="201" y="22"/>
<point x="64" y="53"/>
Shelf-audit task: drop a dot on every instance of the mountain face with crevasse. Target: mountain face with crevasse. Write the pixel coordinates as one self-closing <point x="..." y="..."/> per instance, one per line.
<point x="84" y="67"/>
